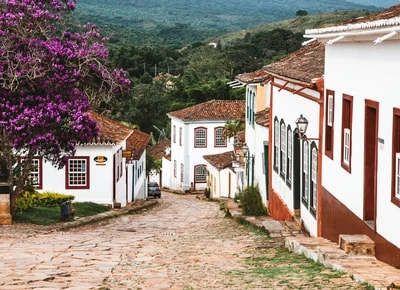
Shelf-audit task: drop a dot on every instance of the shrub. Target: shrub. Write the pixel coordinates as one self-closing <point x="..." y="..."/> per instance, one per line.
<point x="207" y="192"/>
<point x="50" y="199"/>
<point x="47" y="199"/>
<point x="251" y="202"/>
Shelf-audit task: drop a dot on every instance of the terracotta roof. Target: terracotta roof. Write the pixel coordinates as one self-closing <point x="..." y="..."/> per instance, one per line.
<point x="262" y="117"/>
<point x="211" y="110"/>
<point x="137" y="143"/>
<point x="158" y="149"/>
<point x="304" y="65"/>
<point x="383" y="19"/>
<point x="257" y="76"/>
<point x="110" y="131"/>
<point x="391" y="12"/>
<point x="220" y="161"/>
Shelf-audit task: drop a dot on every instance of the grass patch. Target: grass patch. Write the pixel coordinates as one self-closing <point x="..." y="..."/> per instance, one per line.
<point x="51" y="215"/>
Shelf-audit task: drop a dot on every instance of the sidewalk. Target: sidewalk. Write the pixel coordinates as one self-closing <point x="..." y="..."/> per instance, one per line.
<point x="361" y="268"/>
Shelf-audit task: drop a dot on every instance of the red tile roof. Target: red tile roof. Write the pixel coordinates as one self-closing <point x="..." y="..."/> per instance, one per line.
<point x="262" y="117"/>
<point x="110" y="131"/>
<point x="257" y="76"/>
<point x="303" y="65"/>
<point x="158" y="150"/>
<point x="211" y="110"/>
<point x="391" y="12"/>
<point x="220" y="161"/>
<point x="137" y="143"/>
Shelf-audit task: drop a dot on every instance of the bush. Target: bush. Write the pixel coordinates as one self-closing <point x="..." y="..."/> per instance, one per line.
<point x="251" y="202"/>
<point x="207" y="192"/>
<point x="47" y="199"/>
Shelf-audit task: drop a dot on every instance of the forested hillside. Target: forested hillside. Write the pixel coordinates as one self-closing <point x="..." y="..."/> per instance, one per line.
<point x="176" y="23"/>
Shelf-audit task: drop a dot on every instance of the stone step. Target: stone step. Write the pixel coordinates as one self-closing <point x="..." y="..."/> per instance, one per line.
<point x="357" y="245"/>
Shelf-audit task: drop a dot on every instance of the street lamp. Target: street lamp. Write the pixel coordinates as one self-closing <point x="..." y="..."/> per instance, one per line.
<point x="302" y="124"/>
<point x="246" y="153"/>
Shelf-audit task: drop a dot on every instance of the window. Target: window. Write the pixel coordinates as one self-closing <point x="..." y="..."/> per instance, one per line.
<point x="314" y="178"/>
<point x="174" y="134"/>
<point x="182" y="172"/>
<point x="250" y="103"/>
<point x="180" y="136"/>
<point x="175" y="169"/>
<point x="220" y="140"/>
<point x="35" y="174"/>
<point x="276" y="144"/>
<point x="77" y="173"/>
<point x="200" y="174"/>
<point x="396" y="157"/>
<point x="200" y="137"/>
<point x="289" y="165"/>
<point x="347" y="114"/>
<point x="283" y="149"/>
<point x="306" y="170"/>
<point x="329" y="122"/>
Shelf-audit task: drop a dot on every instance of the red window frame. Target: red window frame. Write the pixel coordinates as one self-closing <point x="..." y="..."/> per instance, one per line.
<point x="347" y="131"/>
<point x="196" y="138"/>
<point x="86" y="173"/>
<point x="395" y="160"/>
<point x="329" y="123"/>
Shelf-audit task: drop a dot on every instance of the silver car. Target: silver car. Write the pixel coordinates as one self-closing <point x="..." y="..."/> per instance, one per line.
<point x="153" y="189"/>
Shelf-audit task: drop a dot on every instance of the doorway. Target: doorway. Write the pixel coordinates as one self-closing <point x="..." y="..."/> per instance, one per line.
<point x="370" y="162"/>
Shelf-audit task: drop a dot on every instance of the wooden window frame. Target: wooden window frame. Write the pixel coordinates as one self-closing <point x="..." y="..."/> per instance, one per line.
<point x="282" y="147"/>
<point x="395" y="196"/>
<point x="219" y="140"/>
<point x="305" y="194"/>
<point x="180" y="136"/>
<point x="347" y="120"/>
<point x="86" y="173"/>
<point x="289" y="156"/>
<point x="276" y="145"/>
<point x="196" y="175"/>
<point x="329" y="123"/>
<point x="197" y="138"/>
<point x="174" y="133"/>
<point x="182" y="175"/>
<point x="313" y="179"/>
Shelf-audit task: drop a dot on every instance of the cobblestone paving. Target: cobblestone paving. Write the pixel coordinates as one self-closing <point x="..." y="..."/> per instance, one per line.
<point x="184" y="243"/>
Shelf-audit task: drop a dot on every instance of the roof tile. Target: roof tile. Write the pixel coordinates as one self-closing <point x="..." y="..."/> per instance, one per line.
<point x="211" y="110"/>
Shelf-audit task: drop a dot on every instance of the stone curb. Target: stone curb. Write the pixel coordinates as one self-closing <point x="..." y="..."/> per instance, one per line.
<point x="135" y="208"/>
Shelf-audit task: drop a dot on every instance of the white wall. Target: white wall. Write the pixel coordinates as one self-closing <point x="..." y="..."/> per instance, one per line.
<point x="190" y="156"/>
<point x="101" y="177"/>
<point x="365" y="71"/>
<point x="288" y="106"/>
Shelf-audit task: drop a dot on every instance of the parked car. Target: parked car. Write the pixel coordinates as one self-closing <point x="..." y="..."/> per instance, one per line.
<point x="154" y="189"/>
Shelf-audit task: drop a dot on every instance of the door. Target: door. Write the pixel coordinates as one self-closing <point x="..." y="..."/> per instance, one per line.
<point x="370" y="161"/>
<point x="296" y="173"/>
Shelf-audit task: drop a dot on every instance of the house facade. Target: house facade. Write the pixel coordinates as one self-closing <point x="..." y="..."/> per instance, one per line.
<point x="110" y="170"/>
<point x="361" y="153"/>
<point x="295" y="159"/>
<point x="197" y="131"/>
<point x="256" y="129"/>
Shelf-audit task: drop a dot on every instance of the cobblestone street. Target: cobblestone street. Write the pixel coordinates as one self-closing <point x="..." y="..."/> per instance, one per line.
<point x="184" y="243"/>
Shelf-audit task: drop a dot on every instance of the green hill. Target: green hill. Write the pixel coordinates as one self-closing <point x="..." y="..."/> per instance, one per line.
<point x="176" y="23"/>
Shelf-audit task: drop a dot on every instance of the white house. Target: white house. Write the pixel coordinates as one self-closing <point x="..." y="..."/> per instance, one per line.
<point x="160" y="151"/>
<point x="109" y="170"/>
<point x="256" y="128"/>
<point x="222" y="177"/>
<point x="197" y="131"/>
<point x="295" y="160"/>
<point x="361" y="153"/>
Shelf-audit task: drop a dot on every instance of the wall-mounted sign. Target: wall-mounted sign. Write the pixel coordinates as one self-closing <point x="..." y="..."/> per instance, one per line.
<point x="100" y="160"/>
<point x="127" y="154"/>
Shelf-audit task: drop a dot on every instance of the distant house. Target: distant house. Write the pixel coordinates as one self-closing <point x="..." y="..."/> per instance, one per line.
<point x="159" y="151"/>
<point x="360" y="185"/>
<point x="197" y="131"/>
<point x="111" y="169"/>
<point x="222" y="178"/>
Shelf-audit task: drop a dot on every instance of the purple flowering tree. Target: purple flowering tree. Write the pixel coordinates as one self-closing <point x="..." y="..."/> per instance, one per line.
<point x="49" y="78"/>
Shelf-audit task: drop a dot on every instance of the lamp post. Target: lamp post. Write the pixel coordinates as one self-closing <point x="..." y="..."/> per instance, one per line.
<point x="302" y="124"/>
<point x="249" y="159"/>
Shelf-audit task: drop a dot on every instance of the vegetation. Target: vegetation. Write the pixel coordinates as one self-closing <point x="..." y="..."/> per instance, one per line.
<point x="251" y="202"/>
<point x="278" y="268"/>
<point x="44" y="215"/>
<point x="31" y="199"/>
<point x="177" y="23"/>
<point x="51" y="76"/>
